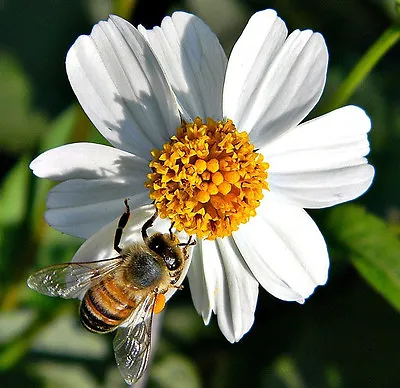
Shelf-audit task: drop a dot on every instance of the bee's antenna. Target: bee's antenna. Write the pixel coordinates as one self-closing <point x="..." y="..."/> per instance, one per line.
<point x="170" y="230"/>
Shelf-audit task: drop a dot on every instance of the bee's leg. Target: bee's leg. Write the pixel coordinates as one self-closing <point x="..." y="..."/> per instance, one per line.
<point x="121" y="225"/>
<point x="148" y="224"/>
<point x="189" y="243"/>
<point x="186" y="246"/>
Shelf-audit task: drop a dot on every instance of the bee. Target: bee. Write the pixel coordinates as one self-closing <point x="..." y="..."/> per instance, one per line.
<point x="122" y="293"/>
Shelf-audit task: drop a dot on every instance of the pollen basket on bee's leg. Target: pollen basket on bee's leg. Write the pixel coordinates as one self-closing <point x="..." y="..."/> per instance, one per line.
<point x="208" y="179"/>
<point x="159" y="303"/>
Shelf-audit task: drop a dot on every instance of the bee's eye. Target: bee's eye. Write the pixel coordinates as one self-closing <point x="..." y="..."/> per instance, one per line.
<point x="159" y="245"/>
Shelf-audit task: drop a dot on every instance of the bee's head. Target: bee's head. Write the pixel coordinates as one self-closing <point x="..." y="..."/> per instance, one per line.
<point x="167" y="246"/>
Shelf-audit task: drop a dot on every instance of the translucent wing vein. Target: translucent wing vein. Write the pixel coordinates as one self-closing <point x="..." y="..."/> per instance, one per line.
<point x="132" y="343"/>
<point x="71" y="280"/>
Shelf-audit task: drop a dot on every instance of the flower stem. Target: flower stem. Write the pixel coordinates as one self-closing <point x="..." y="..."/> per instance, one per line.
<point x="385" y="42"/>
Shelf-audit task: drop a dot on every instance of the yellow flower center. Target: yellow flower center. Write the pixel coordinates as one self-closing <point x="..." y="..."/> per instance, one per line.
<point x="207" y="179"/>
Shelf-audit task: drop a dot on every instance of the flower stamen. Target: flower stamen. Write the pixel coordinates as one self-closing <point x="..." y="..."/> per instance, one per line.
<point x="207" y="179"/>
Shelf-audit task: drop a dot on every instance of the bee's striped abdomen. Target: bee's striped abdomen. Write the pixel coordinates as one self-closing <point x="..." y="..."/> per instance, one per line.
<point x="105" y="306"/>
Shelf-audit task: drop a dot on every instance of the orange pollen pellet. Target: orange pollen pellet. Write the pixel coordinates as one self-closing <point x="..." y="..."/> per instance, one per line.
<point x="207" y="179"/>
<point x="159" y="303"/>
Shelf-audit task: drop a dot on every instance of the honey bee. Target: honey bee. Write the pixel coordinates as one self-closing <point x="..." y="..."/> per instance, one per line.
<point x="122" y="292"/>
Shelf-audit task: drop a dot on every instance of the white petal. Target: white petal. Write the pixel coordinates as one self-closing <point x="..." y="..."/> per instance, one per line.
<point x="203" y="278"/>
<point x="319" y="189"/>
<point x="87" y="161"/>
<point x="97" y="180"/>
<point x="321" y="163"/>
<point x="271" y="86"/>
<point x="121" y="87"/>
<point x="82" y="192"/>
<point x="335" y="140"/>
<point x="284" y="249"/>
<point x="220" y="281"/>
<point x="84" y="220"/>
<point x="239" y="299"/>
<point x="101" y="245"/>
<point x="258" y="45"/>
<point x="194" y="62"/>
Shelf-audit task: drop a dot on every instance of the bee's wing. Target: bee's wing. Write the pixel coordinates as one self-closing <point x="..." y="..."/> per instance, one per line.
<point x="132" y="343"/>
<point x="71" y="280"/>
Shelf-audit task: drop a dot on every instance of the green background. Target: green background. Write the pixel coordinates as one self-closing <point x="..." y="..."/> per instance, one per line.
<point x="345" y="335"/>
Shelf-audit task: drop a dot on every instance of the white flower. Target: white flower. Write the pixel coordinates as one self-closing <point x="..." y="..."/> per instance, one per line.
<point x="136" y="85"/>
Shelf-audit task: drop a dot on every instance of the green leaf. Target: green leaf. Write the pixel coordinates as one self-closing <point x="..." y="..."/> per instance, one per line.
<point x="62" y="375"/>
<point x="13" y="323"/>
<point x="183" y="323"/>
<point x="175" y="371"/>
<point x="283" y="373"/>
<point x="75" y="341"/>
<point x="371" y="247"/>
<point x="13" y="194"/>
<point x="21" y="125"/>
<point x="365" y="65"/>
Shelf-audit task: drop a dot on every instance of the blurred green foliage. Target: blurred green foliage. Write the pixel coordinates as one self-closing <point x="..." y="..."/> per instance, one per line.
<point x="346" y="335"/>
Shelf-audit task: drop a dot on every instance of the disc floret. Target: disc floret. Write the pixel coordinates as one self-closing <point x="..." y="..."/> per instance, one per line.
<point x="208" y="179"/>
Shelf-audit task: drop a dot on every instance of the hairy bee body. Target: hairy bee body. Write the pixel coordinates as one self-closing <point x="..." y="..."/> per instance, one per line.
<point x="109" y="303"/>
<point x="122" y="292"/>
